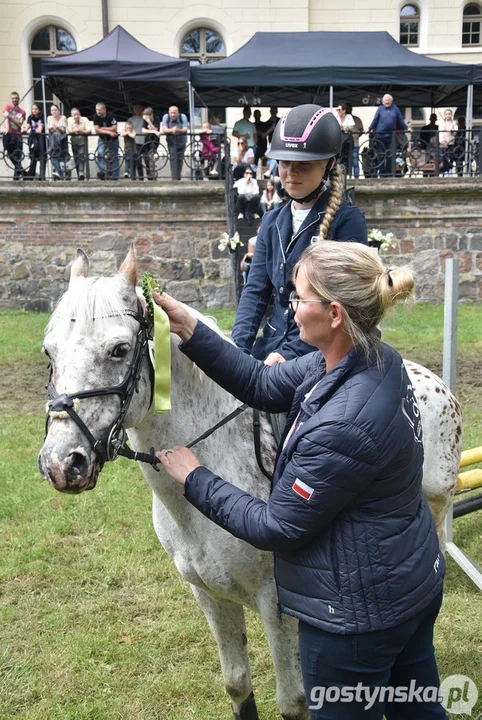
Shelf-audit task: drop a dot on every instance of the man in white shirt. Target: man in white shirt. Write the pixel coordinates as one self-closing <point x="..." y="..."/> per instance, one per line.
<point x="245" y="128"/>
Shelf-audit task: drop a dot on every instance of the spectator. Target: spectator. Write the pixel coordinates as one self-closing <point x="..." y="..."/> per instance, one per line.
<point x="35" y="127"/>
<point x="105" y="126"/>
<point x="58" y="142"/>
<point x="272" y="122"/>
<point x="447" y="137"/>
<point x="79" y="128"/>
<point x="428" y="132"/>
<point x="209" y="150"/>
<point x="261" y="137"/>
<point x="137" y="122"/>
<point x="13" y="119"/>
<point x="245" y="129"/>
<point x="357" y="131"/>
<point x="388" y="119"/>
<point x="175" y="126"/>
<point x="346" y="123"/>
<point x="247" y="202"/>
<point x="216" y="126"/>
<point x="317" y="211"/>
<point x="130" y="150"/>
<point x="270" y="199"/>
<point x="152" y="132"/>
<point x="243" y="159"/>
<point x="247" y="258"/>
<point x="460" y="143"/>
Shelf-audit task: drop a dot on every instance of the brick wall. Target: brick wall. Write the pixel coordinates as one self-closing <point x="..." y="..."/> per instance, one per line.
<point x="175" y="232"/>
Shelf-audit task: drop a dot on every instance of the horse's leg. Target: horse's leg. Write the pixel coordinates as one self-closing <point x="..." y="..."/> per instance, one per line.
<point x="439" y="508"/>
<point x="283" y="643"/>
<point x="227" y="623"/>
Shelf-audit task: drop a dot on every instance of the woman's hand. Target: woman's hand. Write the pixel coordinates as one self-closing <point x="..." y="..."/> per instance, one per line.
<point x="274" y="358"/>
<point x="181" y="321"/>
<point x="178" y="462"/>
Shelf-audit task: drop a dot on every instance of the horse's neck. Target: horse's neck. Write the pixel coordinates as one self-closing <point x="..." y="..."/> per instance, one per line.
<point x="198" y="404"/>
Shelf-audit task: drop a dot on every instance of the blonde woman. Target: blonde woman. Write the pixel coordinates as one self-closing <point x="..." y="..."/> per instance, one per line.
<point x="58" y="142"/>
<point x="306" y="143"/>
<point x="356" y="554"/>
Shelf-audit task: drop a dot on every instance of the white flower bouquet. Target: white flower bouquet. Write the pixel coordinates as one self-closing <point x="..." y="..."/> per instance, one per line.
<point x="229" y="242"/>
<point x="377" y="239"/>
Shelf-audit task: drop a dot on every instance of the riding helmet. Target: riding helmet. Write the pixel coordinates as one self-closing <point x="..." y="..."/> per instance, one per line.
<point x="305" y="133"/>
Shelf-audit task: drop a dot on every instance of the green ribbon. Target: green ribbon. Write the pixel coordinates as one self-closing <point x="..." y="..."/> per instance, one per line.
<point x="162" y="361"/>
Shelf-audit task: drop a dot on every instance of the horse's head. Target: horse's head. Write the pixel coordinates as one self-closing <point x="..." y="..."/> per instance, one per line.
<point x="93" y="340"/>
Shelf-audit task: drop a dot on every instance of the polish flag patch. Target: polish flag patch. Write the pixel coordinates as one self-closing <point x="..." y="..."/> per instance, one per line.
<point x="303" y="490"/>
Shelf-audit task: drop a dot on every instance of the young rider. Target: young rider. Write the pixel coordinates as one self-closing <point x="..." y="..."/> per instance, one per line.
<point x="306" y="143"/>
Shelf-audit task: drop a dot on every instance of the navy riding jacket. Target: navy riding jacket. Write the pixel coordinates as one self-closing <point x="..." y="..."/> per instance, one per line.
<point x="354" y="540"/>
<point x="277" y="252"/>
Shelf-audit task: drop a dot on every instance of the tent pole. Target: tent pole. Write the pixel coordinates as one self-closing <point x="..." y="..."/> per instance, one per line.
<point x="191" y="107"/>
<point x="331" y="98"/>
<point x="191" y="120"/>
<point x="468" y="131"/>
<point x="44" y="102"/>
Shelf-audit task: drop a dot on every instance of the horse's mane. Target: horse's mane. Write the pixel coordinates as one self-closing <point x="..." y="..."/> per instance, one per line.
<point x="88" y="301"/>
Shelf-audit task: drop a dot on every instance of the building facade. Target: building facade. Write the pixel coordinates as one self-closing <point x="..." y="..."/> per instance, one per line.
<point x="443" y="29"/>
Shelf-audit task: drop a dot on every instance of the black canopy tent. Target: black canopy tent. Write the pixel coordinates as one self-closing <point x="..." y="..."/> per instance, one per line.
<point x="291" y="68"/>
<point x="120" y="71"/>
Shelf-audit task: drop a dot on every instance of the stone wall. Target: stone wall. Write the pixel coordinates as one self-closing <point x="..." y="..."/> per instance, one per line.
<point x="175" y="230"/>
<point x="432" y="220"/>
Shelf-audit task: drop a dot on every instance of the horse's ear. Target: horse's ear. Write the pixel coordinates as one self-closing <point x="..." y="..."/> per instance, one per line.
<point x="129" y="268"/>
<point x="80" y="266"/>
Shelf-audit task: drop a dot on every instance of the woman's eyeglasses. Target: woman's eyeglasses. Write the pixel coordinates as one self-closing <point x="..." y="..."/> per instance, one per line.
<point x="294" y="301"/>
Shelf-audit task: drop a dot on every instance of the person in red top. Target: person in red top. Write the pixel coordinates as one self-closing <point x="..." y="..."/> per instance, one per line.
<point x="14" y="117"/>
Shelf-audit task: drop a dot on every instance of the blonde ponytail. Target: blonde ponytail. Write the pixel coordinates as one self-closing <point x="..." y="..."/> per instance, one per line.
<point x="355" y="277"/>
<point x="334" y="203"/>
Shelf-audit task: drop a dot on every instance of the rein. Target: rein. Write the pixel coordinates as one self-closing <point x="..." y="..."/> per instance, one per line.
<point x="116" y="443"/>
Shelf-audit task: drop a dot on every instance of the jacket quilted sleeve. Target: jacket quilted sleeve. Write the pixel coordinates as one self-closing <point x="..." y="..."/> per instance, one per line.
<point x="328" y="469"/>
<point x="254" y="299"/>
<point x="248" y="379"/>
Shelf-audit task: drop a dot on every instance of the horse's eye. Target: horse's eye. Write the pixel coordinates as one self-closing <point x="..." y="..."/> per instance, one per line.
<point x="120" y="351"/>
<point x="45" y="351"/>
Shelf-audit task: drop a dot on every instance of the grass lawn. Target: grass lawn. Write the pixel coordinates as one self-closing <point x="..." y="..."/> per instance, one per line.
<point x="95" y="621"/>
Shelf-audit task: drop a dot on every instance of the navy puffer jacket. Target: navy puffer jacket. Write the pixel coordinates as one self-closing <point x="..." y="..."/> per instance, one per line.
<point x="277" y="251"/>
<point x="354" y="541"/>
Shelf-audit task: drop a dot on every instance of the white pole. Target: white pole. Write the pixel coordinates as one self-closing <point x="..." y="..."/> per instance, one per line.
<point x="468" y="133"/>
<point x="449" y="378"/>
<point x="191" y="107"/>
<point x="331" y="98"/>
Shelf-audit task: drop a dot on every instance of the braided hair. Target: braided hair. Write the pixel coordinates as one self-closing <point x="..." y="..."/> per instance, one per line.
<point x="336" y="197"/>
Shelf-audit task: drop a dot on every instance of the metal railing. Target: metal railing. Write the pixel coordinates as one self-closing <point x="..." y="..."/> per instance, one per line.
<point x="38" y="157"/>
<point x="412" y="154"/>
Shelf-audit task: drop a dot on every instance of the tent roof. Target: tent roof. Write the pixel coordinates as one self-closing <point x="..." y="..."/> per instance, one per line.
<point x="119" y="70"/>
<point x="311" y="62"/>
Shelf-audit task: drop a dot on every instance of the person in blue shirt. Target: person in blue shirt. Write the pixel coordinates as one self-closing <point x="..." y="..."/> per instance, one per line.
<point x="306" y="143"/>
<point x="388" y="119"/>
<point x="356" y="555"/>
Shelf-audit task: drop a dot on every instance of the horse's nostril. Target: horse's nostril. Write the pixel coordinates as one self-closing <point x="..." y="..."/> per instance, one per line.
<point x="76" y="465"/>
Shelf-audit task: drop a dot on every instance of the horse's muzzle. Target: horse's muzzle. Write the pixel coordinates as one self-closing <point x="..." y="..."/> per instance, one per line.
<point x="72" y="474"/>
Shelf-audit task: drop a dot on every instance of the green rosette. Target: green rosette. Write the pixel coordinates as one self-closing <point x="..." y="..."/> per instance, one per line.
<point x="162" y="361"/>
<point x="162" y="346"/>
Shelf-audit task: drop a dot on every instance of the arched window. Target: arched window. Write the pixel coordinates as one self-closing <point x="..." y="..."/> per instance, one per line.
<point x="48" y="41"/>
<point x="201" y="46"/>
<point x="471" y="25"/>
<point x="409" y="25"/>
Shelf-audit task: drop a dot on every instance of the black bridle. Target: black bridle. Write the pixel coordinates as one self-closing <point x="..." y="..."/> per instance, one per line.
<point x="114" y="442"/>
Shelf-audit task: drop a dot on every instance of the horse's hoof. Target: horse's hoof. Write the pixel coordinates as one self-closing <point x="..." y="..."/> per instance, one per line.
<point x="247" y="710"/>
